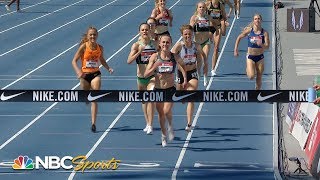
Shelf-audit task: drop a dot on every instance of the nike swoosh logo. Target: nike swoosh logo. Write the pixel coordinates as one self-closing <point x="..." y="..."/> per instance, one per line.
<point x="262" y="98"/>
<point x="93" y="98"/>
<point x="5" y="98"/>
<point x="178" y="98"/>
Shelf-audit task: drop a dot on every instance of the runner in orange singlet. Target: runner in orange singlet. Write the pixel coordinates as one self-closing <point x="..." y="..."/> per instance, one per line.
<point x="91" y="55"/>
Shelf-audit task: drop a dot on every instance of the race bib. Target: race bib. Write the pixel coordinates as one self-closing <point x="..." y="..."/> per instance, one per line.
<point x="164" y="21"/>
<point x="203" y="23"/>
<point x="189" y="59"/>
<point x="194" y="75"/>
<point x="145" y="56"/>
<point x="165" y="67"/>
<point x="92" y="64"/>
<point x="215" y="14"/>
<point x="255" y="39"/>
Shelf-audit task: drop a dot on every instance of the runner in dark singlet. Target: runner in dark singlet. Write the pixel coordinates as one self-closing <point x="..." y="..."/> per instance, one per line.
<point x="163" y="64"/>
<point x="163" y="16"/>
<point x="237" y="8"/>
<point x="141" y="52"/>
<point x="192" y="55"/>
<point x="204" y="28"/>
<point x="225" y="23"/>
<point x="217" y="12"/>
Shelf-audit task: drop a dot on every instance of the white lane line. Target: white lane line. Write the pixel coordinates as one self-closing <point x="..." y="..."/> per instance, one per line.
<point x="25" y="8"/>
<point x="135" y="115"/>
<point x="69" y="79"/>
<point x="132" y="79"/>
<point x="73" y="173"/>
<point x="54" y="104"/>
<point x="15" y="173"/>
<point x="35" y="69"/>
<point x="240" y="76"/>
<point x="186" y="143"/>
<point x="56" y="29"/>
<point x="102" y="137"/>
<point x="137" y="148"/>
<point x="13" y="27"/>
<point x="54" y="76"/>
<point x="27" y="126"/>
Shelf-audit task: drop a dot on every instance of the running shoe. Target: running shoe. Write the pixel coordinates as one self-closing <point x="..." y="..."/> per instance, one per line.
<point x="149" y="130"/>
<point x="188" y="128"/>
<point x="205" y="80"/>
<point x="145" y="129"/>
<point x="7" y="7"/>
<point x="163" y="141"/>
<point x="213" y="72"/>
<point x="93" y="128"/>
<point x="171" y="133"/>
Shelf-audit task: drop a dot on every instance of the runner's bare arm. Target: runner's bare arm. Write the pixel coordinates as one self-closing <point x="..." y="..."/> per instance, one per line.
<point x="223" y="9"/>
<point x="192" y="20"/>
<point x="266" y="44"/>
<point x="230" y="7"/>
<point x="104" y="62"/>
<point x="151" y="65"/>
<point x="75" y="59"/>
<point x="183" y="67"/>
<point x="134" y="53"/>
<point x="171" y="17"/>
<point x="242" y="35"/>
<point x="176" y="48"/>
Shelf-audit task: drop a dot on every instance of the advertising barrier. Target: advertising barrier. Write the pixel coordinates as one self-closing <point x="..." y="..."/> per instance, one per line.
<point x="304" y="124"/>
<point x="312" y="149"/>
<point x="154" y="96"/>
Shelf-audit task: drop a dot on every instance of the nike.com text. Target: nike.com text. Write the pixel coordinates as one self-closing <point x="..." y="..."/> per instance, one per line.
<point x="55" y="96"/>
<point x="231" y="96"/>
<point x="126" y="96"/>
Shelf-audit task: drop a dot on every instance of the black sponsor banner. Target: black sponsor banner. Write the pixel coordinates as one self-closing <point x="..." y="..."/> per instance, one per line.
<point x="154" y="96"/>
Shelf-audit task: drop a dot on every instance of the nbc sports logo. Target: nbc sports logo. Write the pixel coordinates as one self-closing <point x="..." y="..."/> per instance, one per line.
<point x="23" y="163"/>
<point x="79" y="163"/>
<point x="49" y="162"/>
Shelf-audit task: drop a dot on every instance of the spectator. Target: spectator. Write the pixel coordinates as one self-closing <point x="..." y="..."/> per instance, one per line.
<point x="317" y="88"/>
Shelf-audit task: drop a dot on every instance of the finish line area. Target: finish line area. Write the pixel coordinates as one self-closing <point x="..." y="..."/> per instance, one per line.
<point x="46" y="120"/>
<point x="155" y="96"/>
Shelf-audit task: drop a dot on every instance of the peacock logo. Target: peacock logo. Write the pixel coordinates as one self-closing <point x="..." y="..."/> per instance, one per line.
<point x="23" y="163"/>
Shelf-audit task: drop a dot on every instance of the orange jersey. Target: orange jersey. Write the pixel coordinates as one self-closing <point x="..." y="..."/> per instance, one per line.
<point x="91" y="59"/>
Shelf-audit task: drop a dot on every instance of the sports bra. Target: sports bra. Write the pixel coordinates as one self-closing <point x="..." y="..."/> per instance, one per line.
<point x="202" y="24"/>
<point x="149" y="49"/>
<point x="166" y="66"/>
<point x="254" y="38"/>
<point x="164" y="21"/>
<point x="215" y="12"/>
<point x="188" y="55"/>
